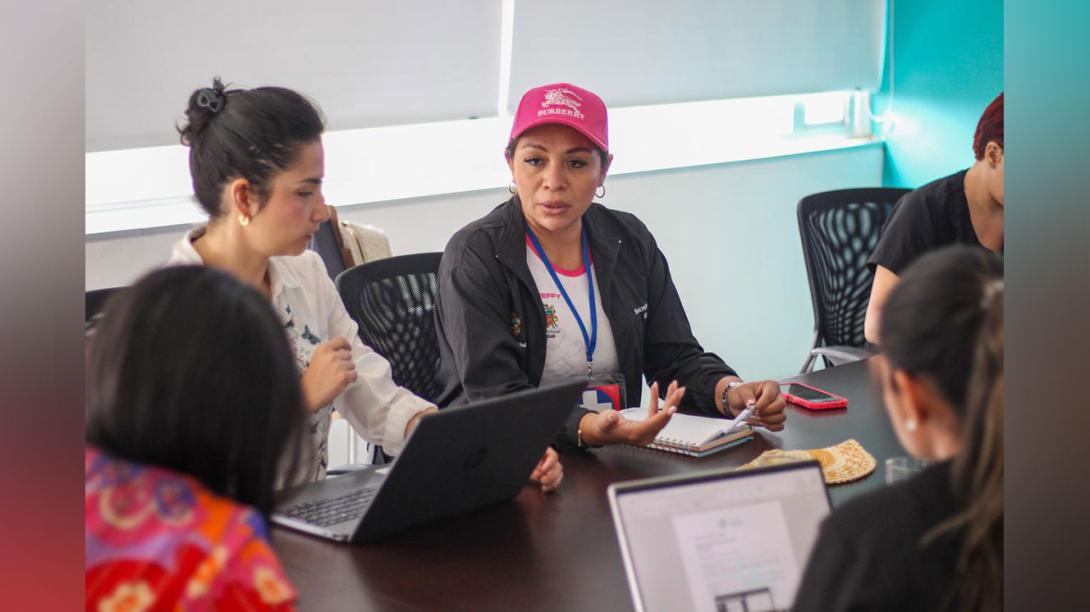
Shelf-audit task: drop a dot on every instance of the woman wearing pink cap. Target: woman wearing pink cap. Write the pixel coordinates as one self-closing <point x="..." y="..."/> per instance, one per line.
<point x="551" y="286"/>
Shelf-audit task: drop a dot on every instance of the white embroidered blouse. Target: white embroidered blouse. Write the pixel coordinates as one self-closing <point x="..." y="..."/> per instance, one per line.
<point x="312" y="312"/>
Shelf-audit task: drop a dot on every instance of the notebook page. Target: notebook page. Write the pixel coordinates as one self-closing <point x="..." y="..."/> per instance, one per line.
<point x="686" y="429"/>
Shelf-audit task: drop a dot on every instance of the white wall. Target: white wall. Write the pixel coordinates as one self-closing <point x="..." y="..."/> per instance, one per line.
<point x="366" y="62"/>
<point x="729" y="232"/>
<point x="664" y="52"/>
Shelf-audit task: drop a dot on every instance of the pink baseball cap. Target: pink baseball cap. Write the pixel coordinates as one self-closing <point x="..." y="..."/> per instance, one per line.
<point x="565" y="104"/>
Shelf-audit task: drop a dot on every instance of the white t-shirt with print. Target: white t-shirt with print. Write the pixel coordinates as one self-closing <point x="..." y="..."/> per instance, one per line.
<point x="566" y="352"/>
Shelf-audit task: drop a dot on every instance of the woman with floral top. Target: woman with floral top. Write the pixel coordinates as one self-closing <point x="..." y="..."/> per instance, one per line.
<point x="194" y="411"/>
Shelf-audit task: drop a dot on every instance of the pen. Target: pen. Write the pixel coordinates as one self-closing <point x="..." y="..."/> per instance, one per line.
<point x="742" y="416"/>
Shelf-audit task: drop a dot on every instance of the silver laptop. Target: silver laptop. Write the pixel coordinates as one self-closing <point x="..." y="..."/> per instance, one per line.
<point x="455" y="461"/>
<point x="720" y="541"/>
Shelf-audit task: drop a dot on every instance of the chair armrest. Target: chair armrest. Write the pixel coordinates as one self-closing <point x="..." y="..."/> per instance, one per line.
<point x="347" y="468"/>
<point x="840" y="355"/>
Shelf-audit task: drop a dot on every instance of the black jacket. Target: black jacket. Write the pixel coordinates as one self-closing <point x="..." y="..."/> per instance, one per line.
<point x="869" y="553"/>
<point x="491" y="323"/>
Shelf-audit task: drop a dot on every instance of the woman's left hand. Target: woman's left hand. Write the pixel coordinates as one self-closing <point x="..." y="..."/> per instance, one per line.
<point x="768" y="399"/>
<point x="548" y="471"/>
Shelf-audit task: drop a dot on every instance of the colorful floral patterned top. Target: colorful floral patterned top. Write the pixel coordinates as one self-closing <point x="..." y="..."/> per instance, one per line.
<point x="158" y="540"/>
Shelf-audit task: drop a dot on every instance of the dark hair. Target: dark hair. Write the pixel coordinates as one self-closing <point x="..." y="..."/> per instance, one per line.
<point x="943" y="322"/>
<point x="190" y="370"/>
<point x="989" y="128"/>
<point x="244" y="133"/>
<point x="509" y="152"/>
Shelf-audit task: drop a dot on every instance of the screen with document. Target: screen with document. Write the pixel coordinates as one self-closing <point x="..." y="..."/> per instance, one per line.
<point x="737" y="542"/>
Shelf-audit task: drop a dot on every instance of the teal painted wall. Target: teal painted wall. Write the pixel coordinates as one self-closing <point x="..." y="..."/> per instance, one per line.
<point x="948" y="67"/>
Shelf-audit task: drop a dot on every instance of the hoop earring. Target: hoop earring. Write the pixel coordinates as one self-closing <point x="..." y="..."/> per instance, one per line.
<point x="512" y="188"/>
<point x="600" y="195"/>
<point x="243" y="220"/>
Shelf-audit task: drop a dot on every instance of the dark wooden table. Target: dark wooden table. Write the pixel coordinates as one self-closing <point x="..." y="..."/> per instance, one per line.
<point x="556" y="551"/>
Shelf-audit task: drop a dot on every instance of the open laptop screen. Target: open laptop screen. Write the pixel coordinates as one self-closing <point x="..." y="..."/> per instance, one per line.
<point x="723" y="542"/>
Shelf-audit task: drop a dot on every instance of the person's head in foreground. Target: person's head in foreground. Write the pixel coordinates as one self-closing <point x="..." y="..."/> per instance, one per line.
<point x="934" y="540"/>
<point x="190" y="370"/>
<point x="194" y="414"/>
<point x="942" y="381"/>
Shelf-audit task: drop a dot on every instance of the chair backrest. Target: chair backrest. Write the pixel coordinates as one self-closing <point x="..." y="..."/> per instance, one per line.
<point x="343" y="245"/>
<point x="329" y="245"/>
<point x="393" y="302"/>
<point x="95" y="299"/>
<point x="839" y="231"/>
<point x="328" y="248"/>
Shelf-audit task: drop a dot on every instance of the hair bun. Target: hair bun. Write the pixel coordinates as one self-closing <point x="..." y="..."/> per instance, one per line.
<point x="204" y="104"/>
<point x="211" y="99"/>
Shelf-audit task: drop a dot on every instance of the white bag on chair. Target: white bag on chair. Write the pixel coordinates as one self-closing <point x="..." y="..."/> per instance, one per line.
<point x="357" y="244"/>
<point x="364" y="242"/>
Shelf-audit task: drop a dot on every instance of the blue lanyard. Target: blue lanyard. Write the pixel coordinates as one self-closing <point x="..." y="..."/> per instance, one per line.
<point x="590" y="341"/>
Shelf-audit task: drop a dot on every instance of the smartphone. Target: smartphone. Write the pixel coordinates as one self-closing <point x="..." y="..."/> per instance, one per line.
<point x="811" y="397"/>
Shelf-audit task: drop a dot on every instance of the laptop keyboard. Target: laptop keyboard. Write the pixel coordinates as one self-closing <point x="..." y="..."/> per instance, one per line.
<point x="333" y="510"/>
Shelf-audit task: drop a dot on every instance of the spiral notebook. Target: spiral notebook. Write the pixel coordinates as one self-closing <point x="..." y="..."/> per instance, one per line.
<point x="693" y="435"/>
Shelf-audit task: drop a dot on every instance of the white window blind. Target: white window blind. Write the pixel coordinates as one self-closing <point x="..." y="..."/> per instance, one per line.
<point x="366" y="62"/>
<point x="637" y="53"/>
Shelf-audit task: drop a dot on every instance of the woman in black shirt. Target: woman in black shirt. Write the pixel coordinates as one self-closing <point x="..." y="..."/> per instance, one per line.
<point x="936" y="540"/>
<point x="963" y="208"/>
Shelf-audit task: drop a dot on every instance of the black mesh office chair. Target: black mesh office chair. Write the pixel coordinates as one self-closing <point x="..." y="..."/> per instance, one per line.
<point x="393" y="302"/>
<point x="839" y="231"/>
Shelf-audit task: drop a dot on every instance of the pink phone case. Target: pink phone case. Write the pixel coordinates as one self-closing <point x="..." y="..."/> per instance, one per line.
<point x="838" y="402"/>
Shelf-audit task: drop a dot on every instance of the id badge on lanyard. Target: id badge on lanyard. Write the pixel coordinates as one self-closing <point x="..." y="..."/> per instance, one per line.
<point x="604" y="392"/>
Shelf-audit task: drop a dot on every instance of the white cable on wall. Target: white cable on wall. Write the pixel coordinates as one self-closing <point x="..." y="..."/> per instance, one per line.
<point x="507" y="33"/>
<point x="886" y="118"/>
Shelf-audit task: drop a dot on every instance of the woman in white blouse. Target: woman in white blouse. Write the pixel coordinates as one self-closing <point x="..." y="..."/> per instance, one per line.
<point x="257" y="164"/>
